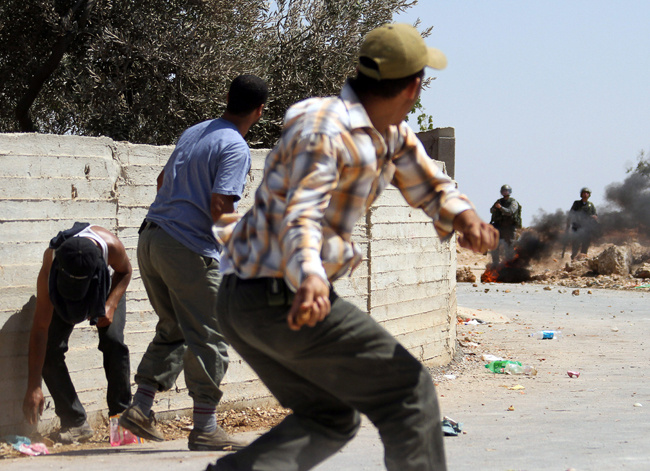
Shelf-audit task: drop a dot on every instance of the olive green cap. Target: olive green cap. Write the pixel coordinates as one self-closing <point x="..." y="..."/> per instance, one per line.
<point x="399" y="51"/>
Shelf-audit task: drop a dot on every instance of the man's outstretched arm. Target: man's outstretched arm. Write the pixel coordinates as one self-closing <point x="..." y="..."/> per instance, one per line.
<point x="34" y="402"/>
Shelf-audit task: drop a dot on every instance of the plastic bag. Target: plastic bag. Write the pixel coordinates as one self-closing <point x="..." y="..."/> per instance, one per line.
<point x="119" y="435"/>
<point x="25" y="445"/>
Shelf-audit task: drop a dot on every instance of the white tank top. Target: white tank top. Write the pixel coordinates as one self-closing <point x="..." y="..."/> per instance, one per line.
<point x="90" y="234"/>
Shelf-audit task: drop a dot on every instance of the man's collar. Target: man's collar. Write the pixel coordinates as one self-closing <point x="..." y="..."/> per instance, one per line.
<point x="358" y="116"/>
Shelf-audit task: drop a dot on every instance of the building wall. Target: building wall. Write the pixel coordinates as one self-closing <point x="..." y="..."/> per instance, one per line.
<point x="406" y="281"/>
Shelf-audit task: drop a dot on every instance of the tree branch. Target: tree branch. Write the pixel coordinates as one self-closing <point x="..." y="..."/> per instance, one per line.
<point x="78" y="15"/>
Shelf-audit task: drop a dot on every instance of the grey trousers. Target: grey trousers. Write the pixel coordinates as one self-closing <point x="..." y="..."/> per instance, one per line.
<point x="182" y="287"/>
<point x="327" y="375"/>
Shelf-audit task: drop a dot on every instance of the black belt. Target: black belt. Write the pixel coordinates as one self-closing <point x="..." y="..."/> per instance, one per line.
<point x="277" y="291"/>
<point x="146" y="225"/>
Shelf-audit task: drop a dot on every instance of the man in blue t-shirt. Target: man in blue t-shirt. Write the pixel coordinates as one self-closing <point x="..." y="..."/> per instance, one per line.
<point x="179" y="260"/>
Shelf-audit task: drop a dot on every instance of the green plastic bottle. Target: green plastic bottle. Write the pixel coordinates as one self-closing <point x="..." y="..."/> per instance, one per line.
<point x="499" y="366"/>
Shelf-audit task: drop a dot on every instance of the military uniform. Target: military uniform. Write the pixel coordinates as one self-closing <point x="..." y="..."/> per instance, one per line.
<point x="505" y="220"/>
<point x="582" y="226"/>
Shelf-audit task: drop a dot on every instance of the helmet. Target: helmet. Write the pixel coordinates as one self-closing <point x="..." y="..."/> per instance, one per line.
<point x="506" y="188"/>
<point x="585" y="190"/>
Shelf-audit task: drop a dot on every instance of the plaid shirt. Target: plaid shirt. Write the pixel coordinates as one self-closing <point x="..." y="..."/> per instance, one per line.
<point x="328" y="168"/>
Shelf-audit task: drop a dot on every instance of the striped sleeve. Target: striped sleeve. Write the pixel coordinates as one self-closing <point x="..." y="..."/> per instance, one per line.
<point x="313" y="175"/>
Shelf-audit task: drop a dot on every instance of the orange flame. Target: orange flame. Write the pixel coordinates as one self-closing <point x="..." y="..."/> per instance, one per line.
<point x="490" y="275"/>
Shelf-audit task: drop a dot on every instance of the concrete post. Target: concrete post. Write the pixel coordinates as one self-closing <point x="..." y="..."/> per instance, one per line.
<point x="440" y="144"/>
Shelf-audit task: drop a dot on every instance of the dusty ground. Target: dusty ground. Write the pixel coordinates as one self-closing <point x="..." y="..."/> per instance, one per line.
<point x="233" y="421"/>
<point x="553" y="270"/>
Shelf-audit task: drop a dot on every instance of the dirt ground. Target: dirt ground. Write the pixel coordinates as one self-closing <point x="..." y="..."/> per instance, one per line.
<point x="233" y="421"/>
<point x="553" y="269"/>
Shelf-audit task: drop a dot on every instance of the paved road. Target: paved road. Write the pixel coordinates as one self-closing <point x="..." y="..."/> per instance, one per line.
<point x="585" y="423"/>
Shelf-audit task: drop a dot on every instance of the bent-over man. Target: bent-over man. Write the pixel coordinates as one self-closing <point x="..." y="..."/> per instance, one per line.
<point x="84" y="276"/>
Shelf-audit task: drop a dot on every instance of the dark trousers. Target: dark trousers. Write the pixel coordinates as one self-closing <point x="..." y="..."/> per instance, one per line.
<point x="116" y="366"/>
<point x="328" y="374"/>
<point x="507" y="235"/>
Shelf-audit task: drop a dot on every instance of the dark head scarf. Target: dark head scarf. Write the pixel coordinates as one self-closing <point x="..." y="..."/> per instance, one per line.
<point x="79" y="280"/>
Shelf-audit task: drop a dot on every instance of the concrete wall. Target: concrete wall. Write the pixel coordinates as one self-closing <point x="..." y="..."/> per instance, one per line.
<point x="406" y="281"/>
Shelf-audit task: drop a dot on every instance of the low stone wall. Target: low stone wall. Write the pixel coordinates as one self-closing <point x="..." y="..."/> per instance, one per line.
<point x="406" y="281"/>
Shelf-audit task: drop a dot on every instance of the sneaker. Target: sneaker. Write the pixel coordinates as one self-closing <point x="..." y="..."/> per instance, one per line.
<point x="81" y="434"/>
<point x="218" y="440"/>
<point x="134" y="420"/>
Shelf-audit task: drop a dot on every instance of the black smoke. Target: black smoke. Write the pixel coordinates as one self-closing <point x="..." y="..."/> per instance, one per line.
<point x="529" y="247"/>
<point x="629" y="207"/>
<point x="625" y="217"/>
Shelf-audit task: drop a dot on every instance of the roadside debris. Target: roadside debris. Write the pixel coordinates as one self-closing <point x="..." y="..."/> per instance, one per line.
<point x="573" y="374"/>
<point x="25" y="446"/>
<point x="450" y="427"/>
<point x="465" y="275"/>
<point x="511" y="368"/>
<point x="472" y="322"/>
<point x="119" y="436"/>
<point x="547" y="334"/>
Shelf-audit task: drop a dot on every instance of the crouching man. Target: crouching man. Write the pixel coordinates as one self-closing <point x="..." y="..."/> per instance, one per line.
<point x="84" y="276"/>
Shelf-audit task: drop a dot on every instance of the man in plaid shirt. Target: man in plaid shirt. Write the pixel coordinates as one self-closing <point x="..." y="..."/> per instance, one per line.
<point x="318" y="354"/>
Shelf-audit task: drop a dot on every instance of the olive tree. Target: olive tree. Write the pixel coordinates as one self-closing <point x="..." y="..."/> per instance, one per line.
<point x="144" y="71"/>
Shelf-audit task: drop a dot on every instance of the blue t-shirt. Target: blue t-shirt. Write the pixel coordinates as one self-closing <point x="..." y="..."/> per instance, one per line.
<point x="210" y="157"/>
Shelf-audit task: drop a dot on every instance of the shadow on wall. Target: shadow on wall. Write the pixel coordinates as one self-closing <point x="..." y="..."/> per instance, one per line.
<point x="14" y="345"/>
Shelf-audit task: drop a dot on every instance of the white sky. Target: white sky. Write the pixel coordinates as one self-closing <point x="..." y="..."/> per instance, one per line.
<point x="546" y="96"/>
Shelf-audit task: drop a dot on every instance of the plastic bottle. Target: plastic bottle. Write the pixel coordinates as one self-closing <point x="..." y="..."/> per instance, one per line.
<point x="519" y="369"/>
<point x="499" y="366"/>
<point x="547" y="334"/>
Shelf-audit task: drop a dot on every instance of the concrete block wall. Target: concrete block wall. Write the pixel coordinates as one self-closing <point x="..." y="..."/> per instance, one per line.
<point x="406" y="281"/>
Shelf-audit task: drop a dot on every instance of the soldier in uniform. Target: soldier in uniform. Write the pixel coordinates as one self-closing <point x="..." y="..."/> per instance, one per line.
<point x="581" y="223"/>
<point x="506" y="218"/>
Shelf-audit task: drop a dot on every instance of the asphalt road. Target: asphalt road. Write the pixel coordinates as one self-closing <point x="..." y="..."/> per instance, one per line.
<point x="598" y="421"/>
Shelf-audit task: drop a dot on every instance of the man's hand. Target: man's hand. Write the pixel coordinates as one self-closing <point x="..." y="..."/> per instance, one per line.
<point x="311" y="304"/>
<point x="497" y="205"/>
<point x="33" y="405"/>
<point x="108" y="320"/>
<point x="476" y="235"/>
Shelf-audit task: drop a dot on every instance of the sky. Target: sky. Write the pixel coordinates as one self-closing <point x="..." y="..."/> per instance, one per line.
<point x="546" y="96"/>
